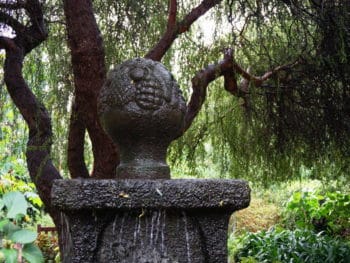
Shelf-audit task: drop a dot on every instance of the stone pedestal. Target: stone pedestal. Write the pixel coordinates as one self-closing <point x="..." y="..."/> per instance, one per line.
<point x="147" y="221"/>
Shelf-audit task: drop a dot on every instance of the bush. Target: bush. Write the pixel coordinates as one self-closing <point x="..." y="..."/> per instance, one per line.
<point x="280" y="245"/>
<point x="17" y="242"/>
<point x="10" y="182"/>
<point x="48" y="244"/>
<point x="260" y="215"/>
<point x="329" y="212"/>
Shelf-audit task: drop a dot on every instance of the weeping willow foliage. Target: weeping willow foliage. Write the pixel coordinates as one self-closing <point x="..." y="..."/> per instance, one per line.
<point x="297" y="119"/>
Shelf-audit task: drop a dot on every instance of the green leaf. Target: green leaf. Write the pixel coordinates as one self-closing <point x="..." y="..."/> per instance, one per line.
<point x="1" y="204"/>
<point x="9" y="228"/>
<point x="3" y="223"/>
<point x="32" y="253"/>
<point x="23" y="236"/>
<point x="10" y="255"/>
<point x="15" y="203"/>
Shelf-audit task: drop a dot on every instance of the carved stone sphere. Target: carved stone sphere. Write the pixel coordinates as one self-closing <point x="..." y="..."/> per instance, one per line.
<point x="141" y="107"/>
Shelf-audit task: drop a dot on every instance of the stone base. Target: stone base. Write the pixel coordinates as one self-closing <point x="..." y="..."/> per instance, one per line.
<point x="148" y="221"/>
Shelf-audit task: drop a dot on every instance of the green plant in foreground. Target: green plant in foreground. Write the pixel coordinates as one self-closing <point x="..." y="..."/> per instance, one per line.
<point x="16" y="242"/>
<point x="298" y="246"/>
<point x="329" y="212"/>
<point x="48" y="244"/>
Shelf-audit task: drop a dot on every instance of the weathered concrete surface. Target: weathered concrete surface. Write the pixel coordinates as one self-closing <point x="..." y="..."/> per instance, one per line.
<point x="155" y="221"/>
<point x="151" y="194"/>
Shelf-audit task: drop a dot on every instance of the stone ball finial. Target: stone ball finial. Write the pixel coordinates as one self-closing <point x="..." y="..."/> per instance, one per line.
<point x="141" y="107"/>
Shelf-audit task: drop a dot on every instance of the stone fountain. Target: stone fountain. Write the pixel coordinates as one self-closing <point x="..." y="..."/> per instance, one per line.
<point x="143" y="216"/>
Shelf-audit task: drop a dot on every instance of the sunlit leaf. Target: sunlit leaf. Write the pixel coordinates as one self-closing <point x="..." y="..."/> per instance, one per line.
<point x="23" y="236"/>
<point x="16" y="204"/>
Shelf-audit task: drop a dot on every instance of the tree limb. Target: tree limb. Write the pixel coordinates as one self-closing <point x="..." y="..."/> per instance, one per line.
<point x="89" y="70"/>
<point x="76" y="139"/>
<point x="172" y="14"/>
<point x="174" y="29"/>
<point x="28" y="37"/>
<point x="258" y="81"/>
<point x="7" y="43"/>
<point x="200" y="83"/>
<point x="38" y="153"/>
<point x="41" y="169"/>
<point x="226" y="68"/>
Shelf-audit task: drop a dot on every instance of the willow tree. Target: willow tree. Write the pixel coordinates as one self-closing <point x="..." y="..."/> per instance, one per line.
<point x="278" y="40"/>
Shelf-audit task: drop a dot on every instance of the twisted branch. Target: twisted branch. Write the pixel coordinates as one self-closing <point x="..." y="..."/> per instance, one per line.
<point x="41" y="169"/>
<point x="174" y="29"/>
<point x="89" y="70"/>
<point x="226" y="68"/>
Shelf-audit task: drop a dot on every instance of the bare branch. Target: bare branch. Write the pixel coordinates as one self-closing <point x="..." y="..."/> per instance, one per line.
<point x="175" y="29"/>
<point x="31" y="36"/>
<point x="195" y="13"/>
<point x="258" y="81"/>
<point x="40" y="167"/>
<point x="172" y="13"/>
<point x="200" y="83"/>
<point x="88" y="61"/>
<point x="226" y="68"/>
<point x="76" y="140"/>
<point x="7" y="43"/>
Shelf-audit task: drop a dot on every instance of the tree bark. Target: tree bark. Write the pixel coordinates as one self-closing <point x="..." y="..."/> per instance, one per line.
<point x="174" y="29"/>
<point x="40" y="166"/>
<point x="88" y="61"/>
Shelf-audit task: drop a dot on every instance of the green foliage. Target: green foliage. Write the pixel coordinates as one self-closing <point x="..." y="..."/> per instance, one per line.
<point x="300" y="118"/>
<point x="32" y="253"/>
<point x="14" y="237"/>
<point x="12" y="181"/>
<point x="313" y="226"/>
<point x="48" y="244"/>
<point x="15" y="204"/>
<point x="260" y="215"/>
<point x="329" y="212"/>
<point x="300" y="246"/>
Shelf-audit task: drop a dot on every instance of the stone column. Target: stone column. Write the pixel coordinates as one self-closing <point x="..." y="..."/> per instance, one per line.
<point x="148" y="221"/>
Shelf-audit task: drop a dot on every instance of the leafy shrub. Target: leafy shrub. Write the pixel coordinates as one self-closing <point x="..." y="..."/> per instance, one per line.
<point x="16" y="241"/>
<point x="279" y="245"/>
<point x="10" y="182"/>
<point x="329" y="212"/>
<point x="48" y="244"/>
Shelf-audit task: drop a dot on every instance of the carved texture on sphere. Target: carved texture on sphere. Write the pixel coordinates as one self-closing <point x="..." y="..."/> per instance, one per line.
<point x="143" y="81"/>
<point x="141" y="107"/>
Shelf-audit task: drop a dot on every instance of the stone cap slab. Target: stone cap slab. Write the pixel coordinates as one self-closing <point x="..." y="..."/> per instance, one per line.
<point x="77" y="194"/>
